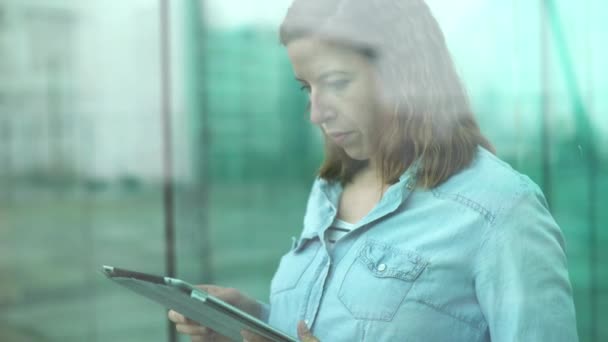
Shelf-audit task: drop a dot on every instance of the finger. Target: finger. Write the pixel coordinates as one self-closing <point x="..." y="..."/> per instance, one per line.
<point x="212" y="289"/>
<point x="191" y="329"/>
<point x="247" y="336"/>
<point x="229" y="295"/>
<point x="176" y="317"/>
<point x="304" y="333"/>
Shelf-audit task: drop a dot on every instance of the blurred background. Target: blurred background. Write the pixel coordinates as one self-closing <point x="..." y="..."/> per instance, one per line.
<point x="171" y="137"/>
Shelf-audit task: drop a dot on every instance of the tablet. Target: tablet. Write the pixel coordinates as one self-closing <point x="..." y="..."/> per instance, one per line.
<point x="196" y="304"/>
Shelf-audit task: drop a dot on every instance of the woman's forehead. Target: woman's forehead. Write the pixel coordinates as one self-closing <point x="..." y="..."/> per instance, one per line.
<point x="311" y="56"/>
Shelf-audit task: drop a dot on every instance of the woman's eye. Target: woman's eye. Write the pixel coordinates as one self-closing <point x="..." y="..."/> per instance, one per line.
<point x="305" y="88"/>
<point x="339" y="84"/>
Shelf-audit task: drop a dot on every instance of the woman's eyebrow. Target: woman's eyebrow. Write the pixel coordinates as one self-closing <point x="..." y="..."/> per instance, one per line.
<point x="330" y="73"/>
<point x="326" y="75"/>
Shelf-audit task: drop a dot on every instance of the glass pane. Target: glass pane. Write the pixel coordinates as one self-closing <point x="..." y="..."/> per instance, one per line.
<point x="543" y="111"/>
<point x="80" y="169"/>
<point x="83" y="158"/>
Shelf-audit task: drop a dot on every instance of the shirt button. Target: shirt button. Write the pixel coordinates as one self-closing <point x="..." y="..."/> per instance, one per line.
<point x="381" y="267"/>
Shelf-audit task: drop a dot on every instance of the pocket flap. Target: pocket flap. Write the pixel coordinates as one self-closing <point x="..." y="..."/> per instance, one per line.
<point x="385" y="261"/>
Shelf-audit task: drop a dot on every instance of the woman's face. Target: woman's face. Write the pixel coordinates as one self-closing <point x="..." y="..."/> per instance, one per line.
<point x="342" y="91"/>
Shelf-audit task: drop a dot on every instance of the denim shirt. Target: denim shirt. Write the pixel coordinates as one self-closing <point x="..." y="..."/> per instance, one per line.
<point x="478" y="258"/>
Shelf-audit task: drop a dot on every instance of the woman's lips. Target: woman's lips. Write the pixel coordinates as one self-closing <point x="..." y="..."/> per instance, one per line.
<point x="339" y="137"/>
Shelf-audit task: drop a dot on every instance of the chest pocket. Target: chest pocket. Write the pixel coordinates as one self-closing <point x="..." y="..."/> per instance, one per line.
<point x="293" y="265"/>
<point x="378" y="280"/>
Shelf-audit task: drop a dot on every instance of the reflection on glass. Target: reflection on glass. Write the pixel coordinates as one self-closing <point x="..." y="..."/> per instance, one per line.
<point x="81" y="149"/>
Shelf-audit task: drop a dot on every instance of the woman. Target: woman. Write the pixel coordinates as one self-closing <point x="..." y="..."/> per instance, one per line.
<point x="414" y="230"/>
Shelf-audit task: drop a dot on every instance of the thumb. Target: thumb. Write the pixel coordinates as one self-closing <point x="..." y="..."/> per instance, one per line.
<point x="304" y="333"/>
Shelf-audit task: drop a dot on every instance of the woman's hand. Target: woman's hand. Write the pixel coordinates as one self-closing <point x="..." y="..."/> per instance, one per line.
<point x="199" y="333"/>
<point x="304" y="335"/>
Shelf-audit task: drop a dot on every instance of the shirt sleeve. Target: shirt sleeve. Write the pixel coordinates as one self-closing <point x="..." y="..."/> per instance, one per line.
<point x="521" y="277"/>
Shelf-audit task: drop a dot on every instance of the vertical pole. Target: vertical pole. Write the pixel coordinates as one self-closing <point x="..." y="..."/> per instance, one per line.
<point x="516" y="79"/>
<point x="168" y="191"/>
<point x="6" y="147"/>
<point x="593" y="243"/>
<point x="593" y="188"/>
<point x="584" y="133"/>
<point x="545" y="103"/>
<point x="196" y="76"/>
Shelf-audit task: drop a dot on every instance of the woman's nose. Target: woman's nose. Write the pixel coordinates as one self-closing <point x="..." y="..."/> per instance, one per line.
<point x="319" y="109"/>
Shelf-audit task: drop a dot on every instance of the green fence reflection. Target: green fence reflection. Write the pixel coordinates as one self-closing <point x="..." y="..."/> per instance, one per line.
<point x="81" y="148"/>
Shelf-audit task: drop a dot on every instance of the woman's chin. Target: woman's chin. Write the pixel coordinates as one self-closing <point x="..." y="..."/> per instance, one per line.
<point x="356" y="154"/>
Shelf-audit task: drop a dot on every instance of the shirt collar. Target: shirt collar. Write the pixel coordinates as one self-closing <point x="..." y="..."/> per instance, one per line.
<point x="325" y="195"/>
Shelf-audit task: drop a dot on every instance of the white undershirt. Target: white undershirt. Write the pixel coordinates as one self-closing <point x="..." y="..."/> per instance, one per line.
<point x="337" y="230"/>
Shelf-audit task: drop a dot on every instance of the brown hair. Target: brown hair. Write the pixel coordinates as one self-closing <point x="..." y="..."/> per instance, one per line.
<point x="429" y="116"/>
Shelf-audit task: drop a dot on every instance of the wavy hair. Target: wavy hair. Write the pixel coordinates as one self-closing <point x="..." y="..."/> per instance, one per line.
<point x="428" y="115"/>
